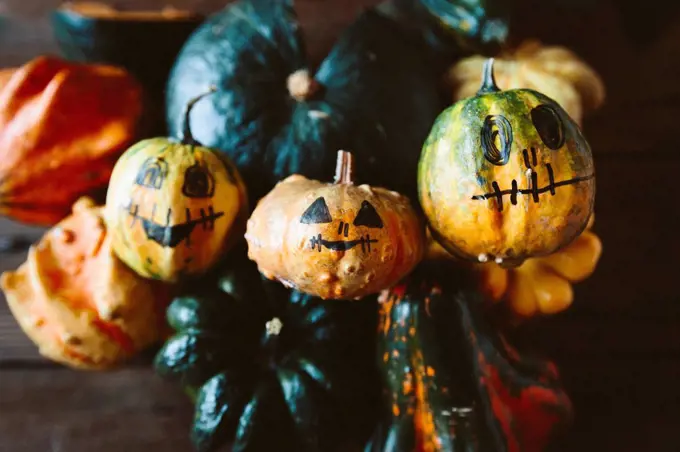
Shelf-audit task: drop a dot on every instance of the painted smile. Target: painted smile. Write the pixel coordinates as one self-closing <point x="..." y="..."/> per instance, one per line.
<point x="171" y="236"/>
<point x="342" y="245"/>
<point x="534" y="190"/>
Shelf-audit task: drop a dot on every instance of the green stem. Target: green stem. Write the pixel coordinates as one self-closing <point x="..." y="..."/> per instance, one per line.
<point x="488" y="79"/>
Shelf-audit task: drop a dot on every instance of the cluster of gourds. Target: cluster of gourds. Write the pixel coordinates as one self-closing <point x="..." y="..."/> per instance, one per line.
<point x="271" y="279"/>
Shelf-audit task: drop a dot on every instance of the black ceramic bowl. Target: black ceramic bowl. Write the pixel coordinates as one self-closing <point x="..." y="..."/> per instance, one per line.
<point x="145" y="43"/>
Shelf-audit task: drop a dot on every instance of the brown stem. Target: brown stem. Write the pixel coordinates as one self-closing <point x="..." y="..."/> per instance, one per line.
<point x="301" y="85"/>
<point x="344" y="170"/>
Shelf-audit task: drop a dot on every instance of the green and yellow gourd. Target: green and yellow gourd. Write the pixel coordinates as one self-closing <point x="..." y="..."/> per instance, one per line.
<point x="451" y="381"/>
<point x="505" y="175"/>
<point x="174" y="207"/>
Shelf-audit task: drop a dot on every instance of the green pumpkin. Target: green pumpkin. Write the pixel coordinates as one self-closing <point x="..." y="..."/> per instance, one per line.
<point x="451" y="381"/>
<point x="456" y="27"/>
<point x="506" y="175"/>
<point x="271" y="369"/>
<point x="102" y="34"/>
<point x="376" y="94"/>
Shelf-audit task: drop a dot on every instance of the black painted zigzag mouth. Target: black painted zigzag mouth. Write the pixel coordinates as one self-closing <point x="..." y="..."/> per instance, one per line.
<point x="533" y="190"/>
<point x="342" y="245"/>
<point x="171" y="236"/>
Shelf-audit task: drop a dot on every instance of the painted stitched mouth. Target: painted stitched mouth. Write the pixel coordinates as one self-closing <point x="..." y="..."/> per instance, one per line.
<point x="342" y="245"/>
<point x="534" y="190"/>
<point x="171" y="236"/>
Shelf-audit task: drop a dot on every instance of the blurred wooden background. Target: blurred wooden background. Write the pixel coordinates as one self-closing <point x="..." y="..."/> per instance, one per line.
<point x="618" y="347"/>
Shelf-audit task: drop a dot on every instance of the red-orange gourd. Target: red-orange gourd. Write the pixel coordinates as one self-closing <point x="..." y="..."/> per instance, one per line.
<point x="78" y="303"/>
<point x="62" y="127"/>
<point x="337" y="241"/>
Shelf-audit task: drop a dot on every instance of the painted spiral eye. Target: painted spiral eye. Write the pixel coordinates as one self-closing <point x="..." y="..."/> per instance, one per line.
<point x="152" y="173"/>
<point x="549" y="126"/>
<point x="198" y="182"/>
<point x="496" y="139"/>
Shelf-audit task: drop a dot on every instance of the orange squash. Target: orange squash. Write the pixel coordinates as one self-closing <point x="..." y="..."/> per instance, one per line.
<point x="78" y="303"/>
<point x="337" y="241"/>
<point x="554" y="71"/>
<point x="542" y="285"/>
<point x="62" y="127"/>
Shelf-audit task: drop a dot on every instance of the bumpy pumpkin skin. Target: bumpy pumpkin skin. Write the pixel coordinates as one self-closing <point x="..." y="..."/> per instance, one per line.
<point x="172" y="207"/>
<point x="337" y="241"/>
<point x="493" y="188"/>
<point x="78" y="302"/>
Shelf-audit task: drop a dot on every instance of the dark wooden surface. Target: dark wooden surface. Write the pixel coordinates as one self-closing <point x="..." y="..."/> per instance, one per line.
<point x="618" y="347"/>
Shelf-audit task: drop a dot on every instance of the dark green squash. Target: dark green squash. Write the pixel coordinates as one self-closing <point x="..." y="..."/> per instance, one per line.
<point x="375" y="94"/>
<point x="145" y="43"/>
<point x="271" y="369"/>
<point x="452" y="383"/>
<point x="474" y="26"/>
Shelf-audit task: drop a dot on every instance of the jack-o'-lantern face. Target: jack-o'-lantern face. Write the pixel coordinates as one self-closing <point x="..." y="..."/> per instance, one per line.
<point x="171" y="208"/>
<point x="338" y="239"/>
<point x="334" y="240"/>
<point x="506" y="175"/>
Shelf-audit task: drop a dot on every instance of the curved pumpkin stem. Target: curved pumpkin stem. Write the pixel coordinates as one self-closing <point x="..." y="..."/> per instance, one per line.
<point x="488" y="79"/>
<point x="187" y="136"/>
<point x="344" y="170"/>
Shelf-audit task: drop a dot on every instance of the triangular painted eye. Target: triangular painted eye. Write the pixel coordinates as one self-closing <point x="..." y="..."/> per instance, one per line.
<point x="317" y="213"/>
<point x="368" y="216"/>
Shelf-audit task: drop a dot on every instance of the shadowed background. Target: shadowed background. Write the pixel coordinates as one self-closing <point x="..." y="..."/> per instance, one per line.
<point x="618" y="347"/>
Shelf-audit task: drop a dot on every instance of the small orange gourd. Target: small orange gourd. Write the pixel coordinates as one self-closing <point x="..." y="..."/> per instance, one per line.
<point x="78" y="303"/>
<point x="335" y="241"/>
<point x="542" y="285"/>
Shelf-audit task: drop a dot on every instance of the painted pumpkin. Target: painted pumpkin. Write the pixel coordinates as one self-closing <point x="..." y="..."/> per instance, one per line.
<point x="174" y="206"/>
<point x="451" y="381"/>
<point x="506" y="175"/>
<point x="62" y="127"/>
<point x="542" y="285"/>
<point x="269" y="371"/>
<point x="552" y="70"/>
<point x="337" y="241"/>
<point x="78" y="302"/>
<point x="376" y="93"/>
